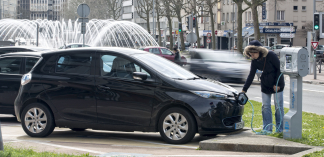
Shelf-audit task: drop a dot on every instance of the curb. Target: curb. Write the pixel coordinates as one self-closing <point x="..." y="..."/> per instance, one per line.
<point x="300" y="154"/>
<point x="281" y="149"/>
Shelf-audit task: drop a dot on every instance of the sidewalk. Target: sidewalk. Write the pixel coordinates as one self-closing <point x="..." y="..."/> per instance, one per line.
<point x="310" y="78"/>
<point x="247" y="141"/>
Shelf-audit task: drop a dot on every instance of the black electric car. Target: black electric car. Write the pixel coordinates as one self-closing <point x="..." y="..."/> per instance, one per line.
<point x="123" y="89"/>
<point x="12" y="67"/>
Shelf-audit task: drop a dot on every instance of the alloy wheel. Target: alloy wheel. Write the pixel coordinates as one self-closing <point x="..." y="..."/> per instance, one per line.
<point x="175" y="126"/>
<point x="35" y="120"/>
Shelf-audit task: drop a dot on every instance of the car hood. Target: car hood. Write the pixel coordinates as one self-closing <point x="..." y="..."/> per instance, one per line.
<point x="206" y="85"/>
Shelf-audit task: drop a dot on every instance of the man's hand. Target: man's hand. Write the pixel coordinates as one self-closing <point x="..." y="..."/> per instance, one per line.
<point x="274" y="88"/>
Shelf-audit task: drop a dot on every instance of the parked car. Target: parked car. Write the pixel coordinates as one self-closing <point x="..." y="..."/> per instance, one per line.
<point x="277" y="48"/>
<point x="73" y="45"/>
<point x="164" y="52"/>
<point x="187" y="45"/>
<point x="223" y="66"/>
<point x="267" y="47"/>
<point x="12" y="68"/>
<point x="8" y="49"/>
<point x="140" y="92"/>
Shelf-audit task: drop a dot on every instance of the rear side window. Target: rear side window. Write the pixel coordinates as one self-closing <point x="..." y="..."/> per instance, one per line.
<point x="10" y="65"/>
<point x="74" y="64"/>
<point x="155" y="51"/>
<point x="166" y="52"/>
<point x="30" y="62"/>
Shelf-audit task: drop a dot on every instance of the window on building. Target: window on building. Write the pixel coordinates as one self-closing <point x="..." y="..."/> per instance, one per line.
<point x="280" y="15"/>
<point x="246" y="17"/>
<point x="223" y="18"/>
<point x="304" y="8"/>
<point x="232" y="17"/>
<point x="227" y="17"/>
<point x="250" y="16"/>
<point x="295" y="8"/>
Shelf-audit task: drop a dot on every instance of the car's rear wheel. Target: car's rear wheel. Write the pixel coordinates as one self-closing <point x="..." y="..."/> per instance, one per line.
<point x="37" y="120"/>
<point x="177" y="126"/>
<point x="78" y="129"/>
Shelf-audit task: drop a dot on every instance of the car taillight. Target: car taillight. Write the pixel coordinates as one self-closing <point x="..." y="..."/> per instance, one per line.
<point x="26" y="79"/>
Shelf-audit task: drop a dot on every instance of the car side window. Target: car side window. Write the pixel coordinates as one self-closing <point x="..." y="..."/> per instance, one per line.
<point x="115" y="66"/>
<point x="166" y="52"/>
<point x="155" y="51"/>
<point x="10" y="65"/>
<point x="30" y="62"/>
<point x="74" y="63"/>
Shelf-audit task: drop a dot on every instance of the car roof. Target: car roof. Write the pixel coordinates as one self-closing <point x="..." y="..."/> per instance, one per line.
<point x="122" y="50"/>
<point x="153" y="47"/>
<point x="75" y="44"/>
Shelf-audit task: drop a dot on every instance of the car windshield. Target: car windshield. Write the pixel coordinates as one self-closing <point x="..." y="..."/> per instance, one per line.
<point x="165" y="67"/>
<point x="221" y="57"/>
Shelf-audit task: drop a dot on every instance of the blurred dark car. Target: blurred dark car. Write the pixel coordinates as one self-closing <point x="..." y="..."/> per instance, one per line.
<point x="12" y="67"/>
<point x="164" y="52"/>
<point x="140" y="92"/>
<point x="223" y="66"/>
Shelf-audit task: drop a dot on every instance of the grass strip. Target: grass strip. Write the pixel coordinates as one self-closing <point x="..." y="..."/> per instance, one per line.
<point x="19" y="152"/>
<point x="312" y="125"/>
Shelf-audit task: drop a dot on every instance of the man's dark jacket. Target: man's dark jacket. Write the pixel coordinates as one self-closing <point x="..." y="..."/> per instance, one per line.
<point x="271" y="68"/>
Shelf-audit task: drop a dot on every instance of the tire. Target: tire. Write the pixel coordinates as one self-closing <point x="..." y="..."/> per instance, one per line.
<point x="78" y="129"/>
<point x="187" y="127"/>
<point x="44" y="121"/>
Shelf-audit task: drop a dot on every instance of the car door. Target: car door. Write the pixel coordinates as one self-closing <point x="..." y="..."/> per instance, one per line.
<point x="10" y="76"/>
<point x="71" y="86"/>
<point x="166" y="53"/>
<point x="121" y="100"/>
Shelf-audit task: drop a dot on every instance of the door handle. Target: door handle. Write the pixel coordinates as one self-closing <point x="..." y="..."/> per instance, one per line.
<point x="104" y="87"/>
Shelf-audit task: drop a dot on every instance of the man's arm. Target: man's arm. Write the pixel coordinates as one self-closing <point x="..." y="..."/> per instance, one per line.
<point x="250" y="78"/>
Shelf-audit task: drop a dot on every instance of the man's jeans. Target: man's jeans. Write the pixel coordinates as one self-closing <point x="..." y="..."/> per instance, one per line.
<point x="267" y="113"/>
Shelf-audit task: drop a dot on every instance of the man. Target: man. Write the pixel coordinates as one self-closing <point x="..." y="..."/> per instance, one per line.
<point x="268" y="62"/>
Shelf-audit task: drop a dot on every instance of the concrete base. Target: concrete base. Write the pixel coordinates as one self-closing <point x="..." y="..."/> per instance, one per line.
<point x="247" y="141"/>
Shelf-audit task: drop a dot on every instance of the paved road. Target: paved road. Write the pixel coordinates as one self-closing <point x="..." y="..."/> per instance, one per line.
<point x="313" y="96"/>
<point x="108" y="143"/>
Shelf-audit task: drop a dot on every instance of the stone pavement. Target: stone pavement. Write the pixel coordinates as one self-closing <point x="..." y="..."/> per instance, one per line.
<point x="247" y="141"/>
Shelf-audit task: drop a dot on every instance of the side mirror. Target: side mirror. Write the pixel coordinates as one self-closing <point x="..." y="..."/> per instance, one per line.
<point x="139" y="76"/>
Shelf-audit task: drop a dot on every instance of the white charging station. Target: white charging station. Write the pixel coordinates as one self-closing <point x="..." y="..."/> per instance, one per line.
<point x="294" y="62"/>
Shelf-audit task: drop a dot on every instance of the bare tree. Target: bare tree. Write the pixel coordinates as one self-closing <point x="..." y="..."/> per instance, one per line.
<point x="114" y="8"/>
<point x="194" y="8"/>
<point x="144" y="9"/>
<point x="209" y="8"/>
<point x="99" y="9"/>
<point x="177" y="6"/>
<point x="240" y="12"/>
<point x="253" y="4"/>
<point x="167" y="12"/>
<point x="159" y="12"/>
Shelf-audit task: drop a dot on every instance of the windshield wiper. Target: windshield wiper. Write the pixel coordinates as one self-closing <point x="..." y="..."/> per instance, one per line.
<point x="194" y="78"/>
<point x="177" y="78"/>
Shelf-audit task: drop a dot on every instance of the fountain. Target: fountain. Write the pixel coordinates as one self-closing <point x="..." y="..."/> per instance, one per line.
<point x="55" y="34"/>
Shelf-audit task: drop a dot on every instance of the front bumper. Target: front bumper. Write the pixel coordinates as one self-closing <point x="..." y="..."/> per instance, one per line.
<point x="219" y="116"/>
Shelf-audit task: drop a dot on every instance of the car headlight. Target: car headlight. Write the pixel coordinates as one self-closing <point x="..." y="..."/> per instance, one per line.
<point x="210" y="95"/>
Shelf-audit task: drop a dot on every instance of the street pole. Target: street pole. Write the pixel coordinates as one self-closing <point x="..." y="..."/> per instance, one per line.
<point x="1" y="141"/>
<point x="233" y="26"/>
<point x="314" y="37"/>
<point x="37" y="28"/>
<point x="290" y="35"/>
<point x="154" y="20"/>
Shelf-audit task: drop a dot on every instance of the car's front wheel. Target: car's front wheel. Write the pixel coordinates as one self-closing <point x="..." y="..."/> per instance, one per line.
<point x="37" y="120"/>
<point x="177" y="126"/>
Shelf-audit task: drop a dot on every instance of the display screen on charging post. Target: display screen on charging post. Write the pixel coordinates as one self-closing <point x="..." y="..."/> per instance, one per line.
<point x="288" y="62"/>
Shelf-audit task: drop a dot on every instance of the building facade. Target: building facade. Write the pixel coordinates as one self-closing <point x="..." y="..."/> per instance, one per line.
<point x="40" y="9"/>
<point x="8" y="9"/>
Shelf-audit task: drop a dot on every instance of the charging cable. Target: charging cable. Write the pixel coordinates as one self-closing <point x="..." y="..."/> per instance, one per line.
<point x="277" y="127"/>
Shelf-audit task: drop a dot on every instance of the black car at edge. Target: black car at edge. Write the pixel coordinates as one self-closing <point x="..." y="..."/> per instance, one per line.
<point x="123" y="89"/>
